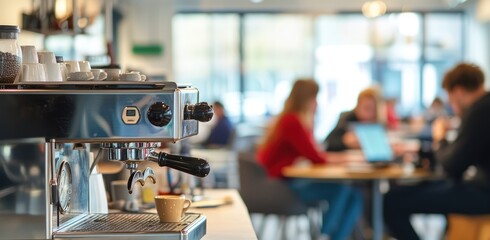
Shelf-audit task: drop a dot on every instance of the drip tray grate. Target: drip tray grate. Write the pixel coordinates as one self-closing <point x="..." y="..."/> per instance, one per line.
<point x="129" y="223"/>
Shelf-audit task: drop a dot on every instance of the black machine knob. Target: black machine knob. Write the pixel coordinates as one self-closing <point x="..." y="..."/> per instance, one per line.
<point x="159" y="114"/>
<point x="202" y="112"/>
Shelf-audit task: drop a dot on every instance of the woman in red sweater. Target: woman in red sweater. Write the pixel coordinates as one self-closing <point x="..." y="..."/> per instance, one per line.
<point x="291" y="138"/>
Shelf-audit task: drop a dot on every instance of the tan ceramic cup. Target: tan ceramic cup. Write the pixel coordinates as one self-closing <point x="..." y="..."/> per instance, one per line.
<point x="171" y="208"/>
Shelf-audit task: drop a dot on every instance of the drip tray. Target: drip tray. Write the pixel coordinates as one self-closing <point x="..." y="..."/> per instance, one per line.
<point x="134" y="226"/>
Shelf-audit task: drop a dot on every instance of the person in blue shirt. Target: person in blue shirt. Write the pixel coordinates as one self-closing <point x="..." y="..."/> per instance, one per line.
<point x="222" y="131"/>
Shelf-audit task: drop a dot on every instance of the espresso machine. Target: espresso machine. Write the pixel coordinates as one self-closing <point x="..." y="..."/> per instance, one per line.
<point x="48" y="131"/>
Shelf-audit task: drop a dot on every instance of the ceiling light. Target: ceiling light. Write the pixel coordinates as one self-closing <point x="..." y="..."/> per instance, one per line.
<point x="372" y="9"/>
<point x="483" y="10"/>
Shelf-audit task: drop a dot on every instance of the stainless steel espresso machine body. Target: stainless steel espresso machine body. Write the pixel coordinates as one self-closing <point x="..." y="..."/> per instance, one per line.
<point x="47" y="131"/>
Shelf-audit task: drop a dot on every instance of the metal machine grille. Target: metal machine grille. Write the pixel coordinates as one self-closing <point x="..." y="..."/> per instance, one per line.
<point x="128" y="223"/>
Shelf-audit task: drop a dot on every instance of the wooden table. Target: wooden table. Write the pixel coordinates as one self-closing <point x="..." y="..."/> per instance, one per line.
<point x="230" y="221"/>
<point x="350" y="172"/>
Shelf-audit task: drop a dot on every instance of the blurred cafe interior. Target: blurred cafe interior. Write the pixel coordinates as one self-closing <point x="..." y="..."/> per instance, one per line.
<point x="270" y="119"/>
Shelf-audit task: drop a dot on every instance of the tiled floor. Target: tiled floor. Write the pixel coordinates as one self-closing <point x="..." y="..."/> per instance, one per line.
<point x="429" y="227"/>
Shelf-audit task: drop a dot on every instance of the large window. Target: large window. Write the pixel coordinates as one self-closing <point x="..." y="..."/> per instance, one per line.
<point x="249" y="61"/>
<point x="277" y="50"/>
<point x="443" y="48"/>
<point x="206" y="54"/>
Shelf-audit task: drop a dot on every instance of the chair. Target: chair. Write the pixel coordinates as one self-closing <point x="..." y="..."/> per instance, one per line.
<point x="269" y="196"/>
<point x="468" y="227"/>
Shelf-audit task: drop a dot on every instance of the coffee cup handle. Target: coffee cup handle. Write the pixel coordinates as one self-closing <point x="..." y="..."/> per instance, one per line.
<point x="102" y="76"/>
<point x="143" y="78"/>
<point x="189" y="203"/>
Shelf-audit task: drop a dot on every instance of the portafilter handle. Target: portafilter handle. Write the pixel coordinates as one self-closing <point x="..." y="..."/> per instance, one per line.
<point x="191" y="165"/>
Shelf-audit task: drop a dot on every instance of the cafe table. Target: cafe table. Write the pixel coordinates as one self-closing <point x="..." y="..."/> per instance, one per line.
<point x="355" y="170"/>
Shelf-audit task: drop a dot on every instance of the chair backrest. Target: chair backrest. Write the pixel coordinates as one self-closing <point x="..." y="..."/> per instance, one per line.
<point x="264" y="195"/>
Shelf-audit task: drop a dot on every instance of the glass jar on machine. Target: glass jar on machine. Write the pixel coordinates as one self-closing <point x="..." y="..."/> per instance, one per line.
<point x="10" y="53"/>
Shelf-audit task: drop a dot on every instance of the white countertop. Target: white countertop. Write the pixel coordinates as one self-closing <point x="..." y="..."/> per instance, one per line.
<point x="231" y="221"/>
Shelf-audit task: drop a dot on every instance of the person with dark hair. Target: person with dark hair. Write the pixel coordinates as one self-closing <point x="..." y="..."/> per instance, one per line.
<point x="366" y="111"/>
<point x="290" y="138"/>
<point x="222" y="132"/>
<point x="457" y="193"/>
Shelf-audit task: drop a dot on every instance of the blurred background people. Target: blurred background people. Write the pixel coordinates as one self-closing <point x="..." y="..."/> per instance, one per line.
<point x="392" y="119"/>
<point x="221" y="134"/>
<point x="291" y="138"/>
<point x="456" y="194"/>
<point x="436" y="109"/>
<point x="366" y="111"/>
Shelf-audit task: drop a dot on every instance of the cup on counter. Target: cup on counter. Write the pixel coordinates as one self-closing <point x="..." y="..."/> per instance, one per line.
<point x="99" y="74"/>
<point x="112" y="74"/>
<point x="72" y="66"/>
<point x="29" y="54"/>
<point x="64" y="70"/>
<point x="171" y="208"/>
<point x="46" y="57"/>
<point x="33" y="72"/>
<point x="84" y="66"/>
<point x="132" y="77"/>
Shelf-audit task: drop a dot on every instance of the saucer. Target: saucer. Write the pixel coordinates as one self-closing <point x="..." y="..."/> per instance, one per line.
<point x="80" y="76"/>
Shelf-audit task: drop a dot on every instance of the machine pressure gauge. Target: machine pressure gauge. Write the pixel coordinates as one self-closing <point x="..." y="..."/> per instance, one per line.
<point x="64" y="186"/>
<point x="130" y="115"/>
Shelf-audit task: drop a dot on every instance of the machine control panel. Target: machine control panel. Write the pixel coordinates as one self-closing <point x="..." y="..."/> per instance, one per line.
<point x="131" y="115"/>
<point x="159" y="114"/>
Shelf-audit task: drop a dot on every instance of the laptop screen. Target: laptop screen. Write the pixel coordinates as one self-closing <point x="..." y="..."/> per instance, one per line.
<point x="374" y="142"/>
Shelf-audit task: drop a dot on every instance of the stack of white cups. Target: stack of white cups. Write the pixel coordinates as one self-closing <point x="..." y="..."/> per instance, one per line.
<point x="52" y="68"/>
<point x="32" y="70"/>
<point x="39" y="66"/>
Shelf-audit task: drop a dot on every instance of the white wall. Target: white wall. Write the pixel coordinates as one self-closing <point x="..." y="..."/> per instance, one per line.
<point x="12" y="15"/>
<point x="146" y="21"/>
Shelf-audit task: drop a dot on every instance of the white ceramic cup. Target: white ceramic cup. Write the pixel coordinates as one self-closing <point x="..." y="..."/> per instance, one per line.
<point x="112" y="74"/>
<point x="99" y="74"/>
<point x="84" y="66"/>
<point x="33" y="72"/>
<point x="64" y="70"/>
<point x="29" y="54"/>
<point x="72" y="66"/>
<point x="171" y="208"/>
<point x="46" y="57"/>
<point x="132" y="76"/>
<point x="53" y="72"/>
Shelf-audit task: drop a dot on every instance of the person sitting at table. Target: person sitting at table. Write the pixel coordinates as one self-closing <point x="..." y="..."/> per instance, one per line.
<point x="291" y="138"/>
<point x="464" y="85"/>
<point x="341" y="137"/>
<point x="222" y="132"/>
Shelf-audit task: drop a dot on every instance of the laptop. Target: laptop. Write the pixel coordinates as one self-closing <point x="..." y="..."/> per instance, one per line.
<point x="374" y="144"/>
